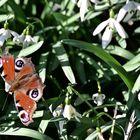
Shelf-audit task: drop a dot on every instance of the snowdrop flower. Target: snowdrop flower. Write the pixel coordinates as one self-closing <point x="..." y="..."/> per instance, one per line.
<point x="111" y="24"/>
<point x="58" y="111"/>
<point x="70" y="112"/>
<point x="127" y="11"/>
<point x="98" y="98"/>
<point x="83" y="5"/>
<point x="5" y="34"/>
<point x="25" y="39"/>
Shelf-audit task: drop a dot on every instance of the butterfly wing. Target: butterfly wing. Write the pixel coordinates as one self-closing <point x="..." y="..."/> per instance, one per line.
<point x="25" y="106"/>
<point x="26" y="97"/>
<point x="7" y="69"/>
<point x="23" y="81"/>
<point x="29" y="91"/>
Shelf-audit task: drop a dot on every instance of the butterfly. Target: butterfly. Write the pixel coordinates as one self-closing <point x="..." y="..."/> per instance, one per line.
<point x="23" y="82"/>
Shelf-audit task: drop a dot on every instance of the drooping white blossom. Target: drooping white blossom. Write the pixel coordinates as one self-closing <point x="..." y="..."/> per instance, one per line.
<point x="127" y="11"/>
<point x="57" y="111"/>
<point x="111" y="25"/>
<point x="25" y="40"/>
<point x="83" y="5"/>
<point x="70" y="112"/>
<point x="6" y="34"/>
<point x="98" y="98"/>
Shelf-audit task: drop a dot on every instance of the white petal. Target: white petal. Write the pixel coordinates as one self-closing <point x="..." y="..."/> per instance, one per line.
<point x="130" y="6"/>
<point x="70" y="112"/>
<point x="67" y="112"/>
<point x="7" y="34"/>
<point x="74" y="1"/>
<point x="120" y="29"/>
<point x="14" y="33"/>
<point x="83" y="9"/>
<point x="137" y="5"/>
<point x="139" y="96"/>
<point x="2" y="40"/>
<point x="107" y="36"/>
<point x="121" y="14"/>
<point x="79" y="3"/>
<point x="94" y="96"/>
<point x="128" y="16"/>
<point x="100" y="27"/>
<point x="2" y="30"/>
<point x="95" y="1"/>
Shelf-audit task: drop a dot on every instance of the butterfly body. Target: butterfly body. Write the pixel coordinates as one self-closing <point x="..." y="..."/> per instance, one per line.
<point x="21" y="80"/>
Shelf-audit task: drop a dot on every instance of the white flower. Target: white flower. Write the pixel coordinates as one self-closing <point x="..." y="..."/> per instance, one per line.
<point x="26" y="40"/>
<point x="111" y="24"/>
<point x="70" y="112"/>
<point x="98" y="98"/>
<point x="139" y="96"/>
<point x="58" y="111"/>
<point x="83" y="5"/>
<point x="127" y="11"/>
<point x="5" y="34"/>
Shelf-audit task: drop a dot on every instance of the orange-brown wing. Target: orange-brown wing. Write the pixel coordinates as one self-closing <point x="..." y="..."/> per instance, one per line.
<point x="27" y="70"/>
<point x="33" y="87"/>
<point x="8" y="72"/>
<point x="26" y="96"/>
<point x="25" y="106"/>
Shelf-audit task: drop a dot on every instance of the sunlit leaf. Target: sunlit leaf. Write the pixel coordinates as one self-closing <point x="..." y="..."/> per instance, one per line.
<point x="64" y="61"/>
<point x="6" y="17"/>
<point x="31" y="49"/>
<point x="25" y="132"/>
<point x="136" y="86"/>
<point x="120" y="52"/>
<point x="2" y="2"/>
<point x="95" y="49"/>
<point x="19" y="14"/>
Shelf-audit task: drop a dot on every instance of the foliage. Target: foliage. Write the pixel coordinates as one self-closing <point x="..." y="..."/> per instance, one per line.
<point x="74" y="65"/>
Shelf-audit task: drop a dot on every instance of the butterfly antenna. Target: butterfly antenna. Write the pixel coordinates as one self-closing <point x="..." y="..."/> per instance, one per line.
<point x="5" y="102"/>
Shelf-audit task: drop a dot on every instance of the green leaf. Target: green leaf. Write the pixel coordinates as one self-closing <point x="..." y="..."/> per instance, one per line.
<point x="95" y="49"/>
<point x="31" y="49"/>
<point x="134" y="60"/>
<point x="79" y="65"/>
<point x="25" y="132"/>
<point x="120" y="52"/>
<point x="6" y="17"/>
<point x="2" y="2"/>
<point x="136" y="86"/>
<point x="42" y="66"/>
<point x="19" y="14"/>
<point x="64" y="61"/>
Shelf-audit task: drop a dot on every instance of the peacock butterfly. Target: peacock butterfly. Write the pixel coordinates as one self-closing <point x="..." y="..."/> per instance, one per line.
<point x="22" y="81"/>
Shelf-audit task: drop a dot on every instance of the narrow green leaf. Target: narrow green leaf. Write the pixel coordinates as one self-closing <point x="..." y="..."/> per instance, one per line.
<point x="42" y="66"/>
<point x="79" y="65"/>
<point x="136" y="86"/>
<point x="6" y="17"/>
<point x="19" y="14"/>
<point x="31" y="49"/>
<point x="120" y="52"/>
<point x="25" y="132"/>
<point x="95" y="49"/>
<point x="43" y="125"/>
<point x="134" y="60"/>
<point x="2" y="2"/>
<point x="64" y="61"/>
